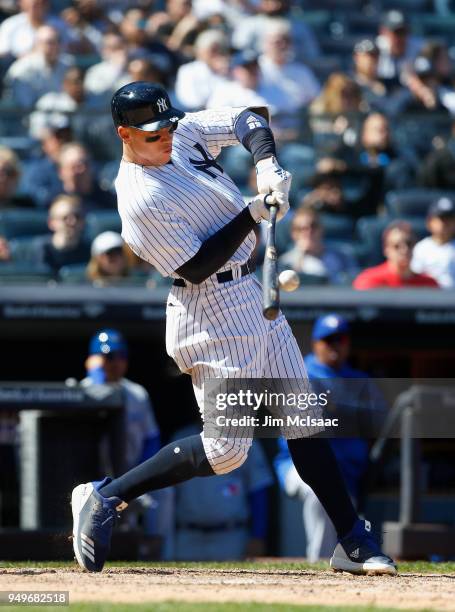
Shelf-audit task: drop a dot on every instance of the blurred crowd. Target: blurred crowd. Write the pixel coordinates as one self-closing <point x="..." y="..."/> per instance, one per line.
<point x="362" y="100"/>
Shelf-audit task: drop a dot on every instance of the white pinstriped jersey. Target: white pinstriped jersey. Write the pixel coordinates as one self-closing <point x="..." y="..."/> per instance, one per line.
<point x="213" y="330"/>
<point x="168" y="211"/>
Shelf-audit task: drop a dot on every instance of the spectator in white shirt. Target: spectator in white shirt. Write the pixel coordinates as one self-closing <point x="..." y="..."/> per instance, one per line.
<point x="295" y="82"/>
<point x="71" y="99"/>
<point x="245" y="87"/>
<point x="104" y="78"/>
<point x="18" y="32"/>
<point x="435" y="255"/>
<point x="40" y="72"/>
<point x="196" y="80"/>
<point x="249" y="31"/>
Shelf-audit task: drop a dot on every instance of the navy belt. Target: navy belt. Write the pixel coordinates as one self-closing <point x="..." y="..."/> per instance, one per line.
<point x="223" y="277"/>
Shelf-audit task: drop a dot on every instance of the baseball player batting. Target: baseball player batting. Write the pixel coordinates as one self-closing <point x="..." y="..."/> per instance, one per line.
<point x="182" y="213"/>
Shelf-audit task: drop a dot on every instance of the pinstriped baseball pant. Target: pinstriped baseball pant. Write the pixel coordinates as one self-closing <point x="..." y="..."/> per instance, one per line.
<point x="218" y="330"/>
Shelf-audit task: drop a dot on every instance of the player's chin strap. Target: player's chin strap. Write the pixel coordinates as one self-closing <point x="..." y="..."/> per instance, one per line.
<point x="173" y="464"/>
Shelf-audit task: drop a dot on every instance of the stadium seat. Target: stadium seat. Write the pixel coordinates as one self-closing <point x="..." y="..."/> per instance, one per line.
<point x="413" y="202"/>
<point x="102" y="221"/>
<point x="237" y="162"/>
<point x="23" y="249"/>
<point x="107" y="175"/>
<point x="359" y="24"/>
<point x="325" y="65"/>
<point x="318" y="20"/>
<point x="283" y="234"/>
<point x="429" y="25"/>
<point x="311" y="280"/>
<point x="73" y="274"/>
<point x="412" y="7"/>
<point x="17" y="222"/>
<point x="299" y="160"/>
<point x="417" y="131"/>
<point x="12" y="273"/>
<point x="337" y="227"/>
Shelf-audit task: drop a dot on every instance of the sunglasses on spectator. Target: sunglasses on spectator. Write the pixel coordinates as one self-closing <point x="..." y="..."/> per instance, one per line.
<point x="72" y="215"/>
<point x="115" y="355"/>
<point x="409" y="244"/>
<point x="336" y="339"/>
<point x="305" y="228"/>
<point x="114" y="252"/>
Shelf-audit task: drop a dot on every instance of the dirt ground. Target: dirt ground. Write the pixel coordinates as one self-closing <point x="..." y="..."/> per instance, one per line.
<point x="140" y="585"/>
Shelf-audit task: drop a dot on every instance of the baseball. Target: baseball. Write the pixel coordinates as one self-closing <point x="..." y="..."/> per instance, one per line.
<point x="288" y="280"/>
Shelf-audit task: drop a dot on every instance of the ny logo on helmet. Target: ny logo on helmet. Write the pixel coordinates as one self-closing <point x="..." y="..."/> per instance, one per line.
<point x="162" y="104"/>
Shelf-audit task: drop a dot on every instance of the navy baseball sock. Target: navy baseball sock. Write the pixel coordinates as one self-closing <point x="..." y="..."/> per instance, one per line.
<point x="172" y="464"/>
<point x="317" y="466"/>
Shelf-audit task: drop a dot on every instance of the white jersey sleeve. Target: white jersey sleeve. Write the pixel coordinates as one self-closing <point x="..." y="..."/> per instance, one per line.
<point x="216" y="126"/>
<point x="161" y="238"/>
<point x="150" y="226"/>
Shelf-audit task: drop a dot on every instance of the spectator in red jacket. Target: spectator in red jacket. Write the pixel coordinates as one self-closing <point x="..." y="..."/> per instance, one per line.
<point x="398" y="243"/>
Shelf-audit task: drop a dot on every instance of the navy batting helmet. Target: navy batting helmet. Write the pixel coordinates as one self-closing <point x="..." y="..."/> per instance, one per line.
<point x="145" y="106"/>
<point x="107" y="342"/>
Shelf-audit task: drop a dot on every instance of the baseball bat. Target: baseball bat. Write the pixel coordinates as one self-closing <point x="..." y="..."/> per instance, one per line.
<point x="271" y="291"/>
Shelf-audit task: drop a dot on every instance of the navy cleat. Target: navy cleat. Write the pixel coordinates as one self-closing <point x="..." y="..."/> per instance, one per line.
<point x="94" y="517"/>
<point x="359" y="553"/>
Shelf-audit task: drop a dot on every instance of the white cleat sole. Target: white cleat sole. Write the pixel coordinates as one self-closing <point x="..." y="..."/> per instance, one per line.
<point x="366" y="569"/>
<point x="79" y="496"/>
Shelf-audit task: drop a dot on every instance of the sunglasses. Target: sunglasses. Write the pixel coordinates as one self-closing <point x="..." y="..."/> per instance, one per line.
<point x="115" y="355"/>
<point x="157" y="137"/>
<point x="305" y="228"/>
<point x="336" y="339"/>
<point x="113" y="252"/>
<point x="74" y="215"/>
<point x="409" y="244"/>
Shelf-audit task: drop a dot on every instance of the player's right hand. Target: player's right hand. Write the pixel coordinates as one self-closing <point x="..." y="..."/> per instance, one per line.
<point x="259" y="209"/>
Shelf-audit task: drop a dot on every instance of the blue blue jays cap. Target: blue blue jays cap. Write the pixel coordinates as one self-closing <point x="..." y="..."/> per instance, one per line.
<point x="328" y="325"/>
<point x="107" y="342"/>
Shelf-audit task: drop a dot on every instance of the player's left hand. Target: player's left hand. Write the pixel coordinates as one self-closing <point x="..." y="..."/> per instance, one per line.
<point x="260" y="210"/>
<point x="271" y="177"/>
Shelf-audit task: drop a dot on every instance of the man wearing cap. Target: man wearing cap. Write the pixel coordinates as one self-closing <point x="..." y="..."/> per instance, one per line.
<point x="397" y="48"/>
<point x="331" y="341"/>
<point x="398" y="241"/>
<point x="435" y="255"/>
<point x="107" y="364"/>
<point x="365" y="58"/>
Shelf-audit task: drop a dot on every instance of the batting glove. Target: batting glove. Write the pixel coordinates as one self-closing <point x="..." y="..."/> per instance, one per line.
<point x="270" y="176"/>
<point x="260" y="210"/>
